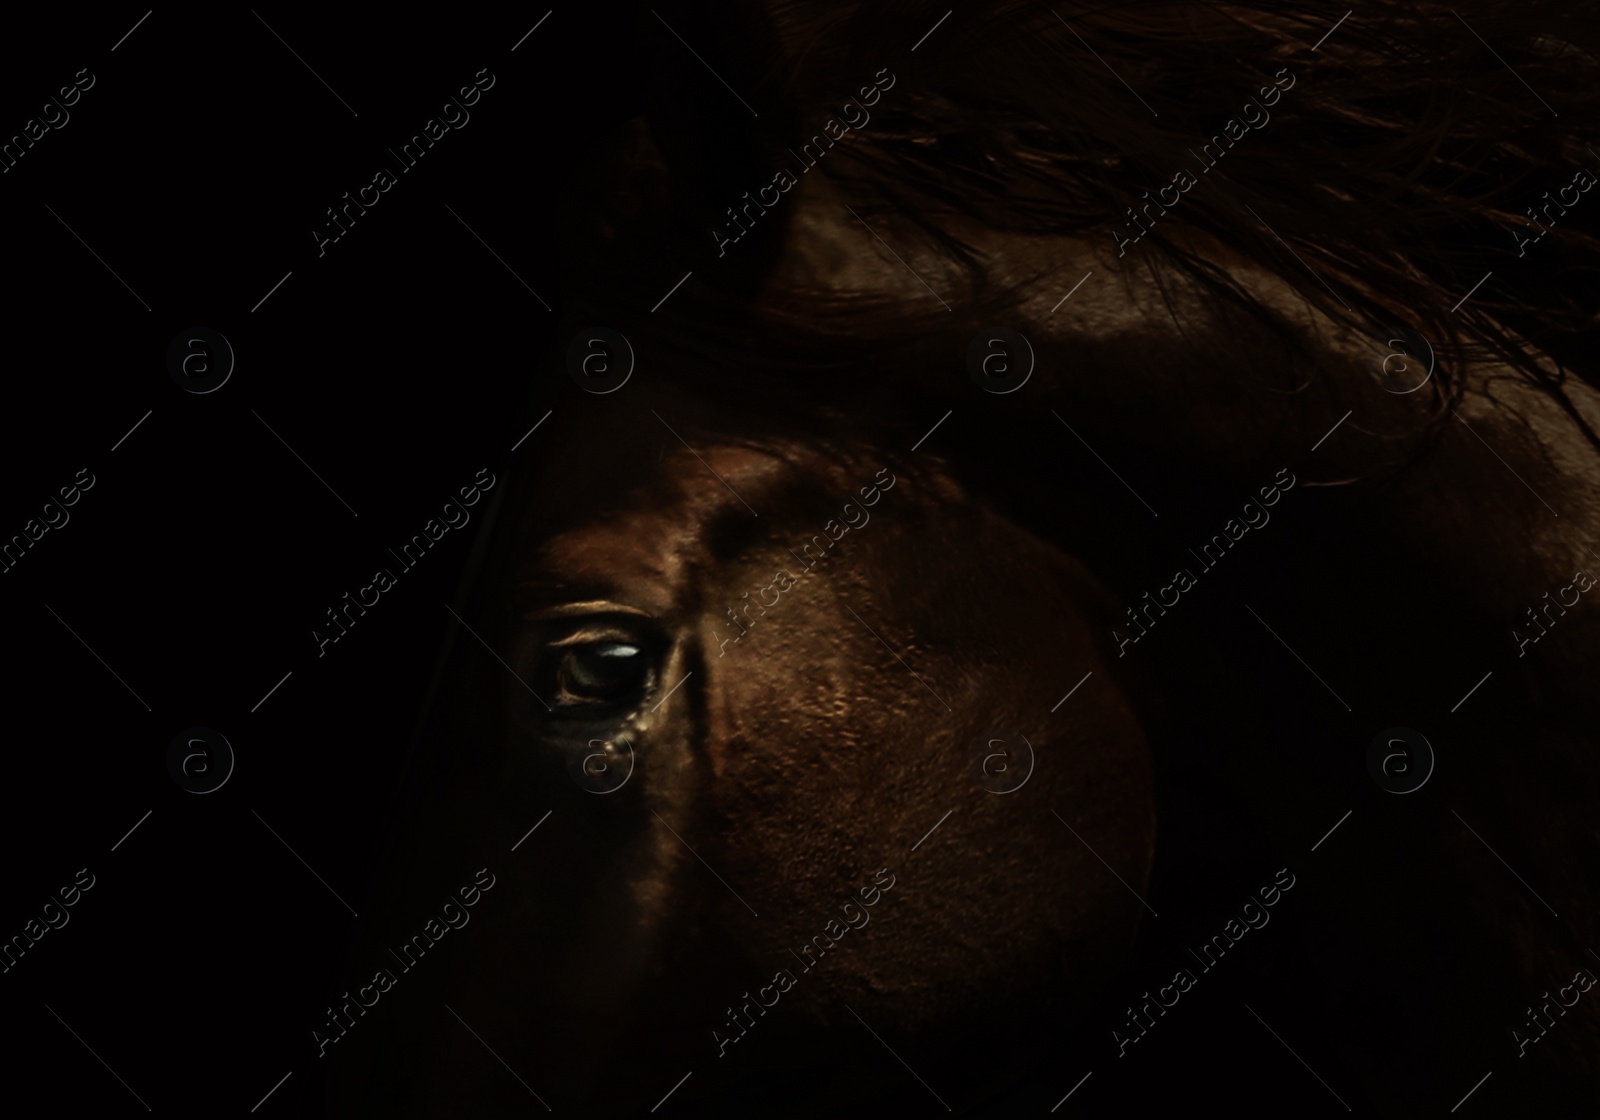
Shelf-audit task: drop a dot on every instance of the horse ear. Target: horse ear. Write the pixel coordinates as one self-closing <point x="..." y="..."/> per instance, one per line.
<point x="624" y="189"/>
<point x="646" y="195"/>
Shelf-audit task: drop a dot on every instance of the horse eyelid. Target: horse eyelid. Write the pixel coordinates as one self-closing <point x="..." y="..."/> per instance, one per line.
<point x="597" y="636"/>
<point x="577" y="610"/>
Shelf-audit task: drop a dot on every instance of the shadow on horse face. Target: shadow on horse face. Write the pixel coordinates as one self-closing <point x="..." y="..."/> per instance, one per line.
<point x="750" y="679"/>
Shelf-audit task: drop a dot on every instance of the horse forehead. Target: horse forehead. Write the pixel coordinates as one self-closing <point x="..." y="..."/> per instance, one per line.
<point x="648" y="529"/>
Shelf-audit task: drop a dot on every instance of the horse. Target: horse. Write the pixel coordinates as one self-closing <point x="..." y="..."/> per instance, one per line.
<point x="869" y="682"/>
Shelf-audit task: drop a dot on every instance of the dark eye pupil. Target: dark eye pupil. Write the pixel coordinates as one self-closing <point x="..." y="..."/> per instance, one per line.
<point x="602" y="671"/>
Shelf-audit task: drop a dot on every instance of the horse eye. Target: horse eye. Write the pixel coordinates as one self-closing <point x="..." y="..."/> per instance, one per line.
<point x="602" y="672"/>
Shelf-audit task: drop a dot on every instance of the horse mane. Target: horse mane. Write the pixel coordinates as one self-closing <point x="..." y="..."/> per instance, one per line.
<point x="1402" y="167"/>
